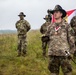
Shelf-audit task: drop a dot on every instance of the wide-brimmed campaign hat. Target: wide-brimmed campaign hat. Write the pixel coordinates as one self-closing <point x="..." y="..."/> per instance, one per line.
<point x="59" y="8"/>
<point x="22" y="14"/>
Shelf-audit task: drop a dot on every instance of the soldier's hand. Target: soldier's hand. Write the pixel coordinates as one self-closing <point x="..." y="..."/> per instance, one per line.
<point x="45" y="38"/>
<point x="69" y="57"/>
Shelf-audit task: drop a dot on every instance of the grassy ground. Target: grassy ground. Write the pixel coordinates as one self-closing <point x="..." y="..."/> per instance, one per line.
<point x="33" y="64"/>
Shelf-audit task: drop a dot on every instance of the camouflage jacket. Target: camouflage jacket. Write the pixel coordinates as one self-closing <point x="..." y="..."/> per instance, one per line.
<point x="73" y="25"/>
<point x="61" y="39"/>
<point x="44" y="27"/>
<point x="22" y="26"/>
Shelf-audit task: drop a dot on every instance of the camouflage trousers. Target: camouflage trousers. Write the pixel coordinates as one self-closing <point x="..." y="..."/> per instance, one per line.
<point x="56" y="62"/>
<point x="44" y="46"/>
<point x="22" y="44"/>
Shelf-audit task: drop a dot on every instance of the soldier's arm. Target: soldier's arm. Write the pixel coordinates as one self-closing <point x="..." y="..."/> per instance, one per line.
<point x="71" y="39"/>
<point x="28" y="26"/>
<point x="48" y="31"/>
<point x="41" y="29"/>
<point x="16" y="24"/>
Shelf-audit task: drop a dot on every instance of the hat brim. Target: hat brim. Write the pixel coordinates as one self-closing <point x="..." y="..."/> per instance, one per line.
<point x="45" y="18"/>
<point x="61" y="10"/>
<point x="22" y="15"/>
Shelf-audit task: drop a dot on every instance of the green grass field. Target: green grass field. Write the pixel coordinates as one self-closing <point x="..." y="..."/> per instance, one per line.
<point x="33" y="64"/>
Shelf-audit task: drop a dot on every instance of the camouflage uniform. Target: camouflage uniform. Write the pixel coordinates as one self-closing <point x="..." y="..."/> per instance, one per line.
<point x="73" y="25"/>
<point x="61" y="43"/>
<point x="22" y="28"/>
<point x="61" y="40"/>
<point x="43" y="30"/>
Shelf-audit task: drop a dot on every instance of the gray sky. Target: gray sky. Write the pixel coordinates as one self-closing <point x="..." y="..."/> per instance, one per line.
<point x="35" y="10"/>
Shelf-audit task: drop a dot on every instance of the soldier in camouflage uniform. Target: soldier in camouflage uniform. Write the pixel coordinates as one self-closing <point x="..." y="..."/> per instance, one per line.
<point x="43" y="30"/>
<point x="22" y="28"/>
<point x="73" y="25"/>
<point x="61" y="42"/>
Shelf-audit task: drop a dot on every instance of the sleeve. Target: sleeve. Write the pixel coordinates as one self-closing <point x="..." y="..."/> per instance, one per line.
<point x="28" y="26"/>
<point x="16" y="25"/>
<point x="48" y="31"/>
<point x="71" y="39"/>
<point x="41" y="29"/>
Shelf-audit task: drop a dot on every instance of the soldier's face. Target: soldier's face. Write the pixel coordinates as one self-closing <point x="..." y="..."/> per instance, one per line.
<point x="47" y="20"/>
<point x="57" y="14"/>
<point x="21" y="17"/>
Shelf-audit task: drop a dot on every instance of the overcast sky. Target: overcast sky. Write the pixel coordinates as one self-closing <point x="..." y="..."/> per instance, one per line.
<point x="35" y="10"/>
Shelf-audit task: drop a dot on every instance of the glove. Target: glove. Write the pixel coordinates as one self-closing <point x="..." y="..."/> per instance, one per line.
<point x="45" y="38"/>
<point x="69" y="57"/>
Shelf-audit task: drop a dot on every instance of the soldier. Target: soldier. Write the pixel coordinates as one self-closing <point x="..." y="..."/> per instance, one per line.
<point x="73" y="25"/>
<point x="22" y="28"/>
<point x="43" y="30"/>
<point x="61" y="42"/>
